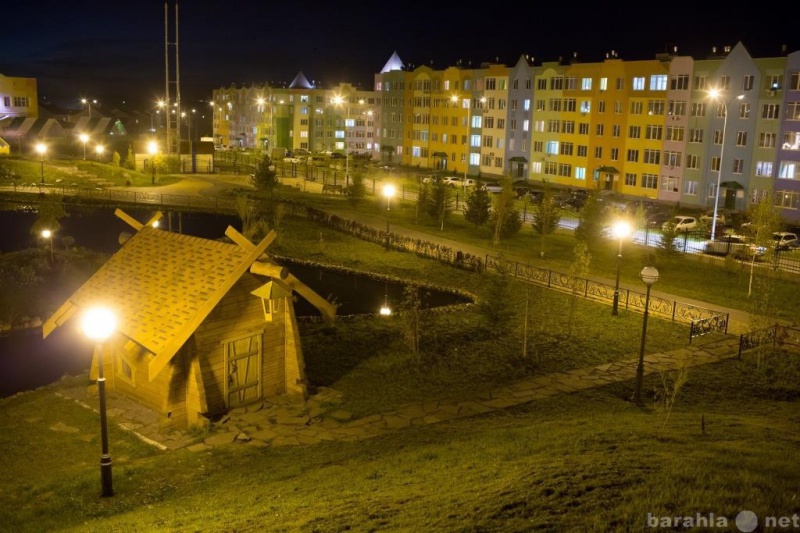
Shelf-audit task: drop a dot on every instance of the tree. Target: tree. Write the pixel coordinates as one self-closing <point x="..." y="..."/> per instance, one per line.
<point x="115" y="159"/>
<point x="546" y="217"/>
<point x="505" y="217"/>
<point x="265" y="179"/>
<point x="578" y="271"/>
<point x="356" y="190"/>
<point x="253" y="226"/>
<point x="412" y="323"/>
<point x="590" y="227"/>
<point x="764" y="221"/>
<point x="50" y="211"/>
<point x="130" y="159"/>
<point x="494" y="307"/>
<point x="436" y="200"/>
<point x="479" y="206"/>
<point x="667" y="246"/>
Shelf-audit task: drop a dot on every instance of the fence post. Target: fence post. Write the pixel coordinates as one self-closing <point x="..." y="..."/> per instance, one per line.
<point x="674" y="308"/>
<point x="549" y="275"/>
<point x="741" y="340"/>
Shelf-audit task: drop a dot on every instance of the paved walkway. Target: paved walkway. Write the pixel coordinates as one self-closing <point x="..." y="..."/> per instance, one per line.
<point x="276" y="423"/>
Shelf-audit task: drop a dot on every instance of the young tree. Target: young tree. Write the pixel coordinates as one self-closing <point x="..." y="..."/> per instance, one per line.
<point x="50" y="211"/>
<point x="494" y="307"/>
<point x="505" y="217"/>
<point x="356" y="191"/>
<point x="130" y="159"/>
<point x="437" y="200"/>
<point x="590" y="227"/>
<point x="668" y="245"/>
<point x="115" y="159"/>
<point x="578" y="271"/>
<point x="265" y="179"/>
<point x="764" y="221"/>
<point x="479" y="206"/>
<point x="546" y="217"/>
<point x="412" y="324"/>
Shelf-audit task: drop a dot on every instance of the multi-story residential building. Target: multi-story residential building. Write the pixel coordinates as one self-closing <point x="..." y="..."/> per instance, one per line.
<point x="645" y="128"/>
<point x="18" y="98"/>
<point x="300" y="116"/>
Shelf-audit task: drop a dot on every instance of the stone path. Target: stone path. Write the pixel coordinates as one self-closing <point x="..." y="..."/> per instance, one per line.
<point x="277" y="423"/>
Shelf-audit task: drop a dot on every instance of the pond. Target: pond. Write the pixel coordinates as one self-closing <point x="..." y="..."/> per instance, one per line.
<point x="27" y="361"/>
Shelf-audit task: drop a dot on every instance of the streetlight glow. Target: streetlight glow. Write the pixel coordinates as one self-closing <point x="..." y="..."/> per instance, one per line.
<point x="41" y="149"/>
<point x="388" y="191"/>
<point x="84" y="139"/>
<point x="620" y="230"/>
<point x="47" y="234"/>
<point x="152" y="148"/>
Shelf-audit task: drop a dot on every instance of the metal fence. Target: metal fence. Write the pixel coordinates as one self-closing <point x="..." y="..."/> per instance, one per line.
<point x="701" y="319"/>
<point x="776" y="335"/>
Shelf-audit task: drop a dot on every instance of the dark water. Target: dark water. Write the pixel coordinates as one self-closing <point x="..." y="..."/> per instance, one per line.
<point x="27" y="361"/>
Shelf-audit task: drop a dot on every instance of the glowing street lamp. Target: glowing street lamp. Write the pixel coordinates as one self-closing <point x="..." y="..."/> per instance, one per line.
<point x="619" y="230"/>
<point x="388" y="191"/>
<point x="649" y="276"/>
<point x="41" y="149"/>
<point x="84" y="139"/>
<point x="715" y="94"/>
<point x="152" y="148"/>
<point x="99" y="149"/>
<point x="99" y="324"/>
<point x="88" y="103"/>
<point x="47" y="234"/>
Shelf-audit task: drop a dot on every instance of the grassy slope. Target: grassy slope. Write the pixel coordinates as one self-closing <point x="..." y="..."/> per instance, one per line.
<point x="587" y="461"/>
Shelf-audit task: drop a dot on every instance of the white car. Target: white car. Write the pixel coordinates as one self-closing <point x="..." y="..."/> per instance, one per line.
<point x="681" y="223"/>
<point x="453" y="181"/>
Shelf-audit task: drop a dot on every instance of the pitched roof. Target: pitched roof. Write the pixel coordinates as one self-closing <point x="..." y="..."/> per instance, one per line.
<point x="162" y="285"/>
<point x="394" y="63"/>
<point x="300" y="81"/>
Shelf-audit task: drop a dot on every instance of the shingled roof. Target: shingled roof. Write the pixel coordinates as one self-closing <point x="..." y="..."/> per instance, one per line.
<point x="162" y="285"/>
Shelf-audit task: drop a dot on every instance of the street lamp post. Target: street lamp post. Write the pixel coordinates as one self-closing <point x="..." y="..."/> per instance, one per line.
<point x="88" y="103"/>
<point x="716" y="95"/>
<point x="619" y="230"/>
<point x="649" y="276"/>
<point x="41" y="149"/>
<point x="388" y="192"/>
<point x="99" y="149"/>
<point x="84" y="139"/>
<point x="47" y="234"/>
<point x="152" y="148"/>
<point x="99" y="324"/>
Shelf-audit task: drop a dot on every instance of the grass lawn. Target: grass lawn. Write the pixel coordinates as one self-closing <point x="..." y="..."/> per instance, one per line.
<point x="588" y="461"/>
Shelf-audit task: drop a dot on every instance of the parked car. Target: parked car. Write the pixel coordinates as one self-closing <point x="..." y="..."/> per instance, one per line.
<point x="681" y="223"/>
<point x="493" y="188"/>
<point x="784" y="240"/>
<point x="656" y="220"/>
<point x="470" y="182"/>
<point x="453" y="181"/>
<point x="738" y="246"/>
<point x="708" y="217"/>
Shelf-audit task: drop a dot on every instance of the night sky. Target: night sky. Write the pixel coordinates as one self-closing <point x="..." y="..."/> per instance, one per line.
<point x="112" y="53"/>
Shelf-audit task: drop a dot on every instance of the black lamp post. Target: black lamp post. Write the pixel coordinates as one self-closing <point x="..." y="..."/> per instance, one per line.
<point x="388" y="192"/>
<point x="99" y="324"/>
<point x="649" y="276"/>
<point x="620" y="230"/>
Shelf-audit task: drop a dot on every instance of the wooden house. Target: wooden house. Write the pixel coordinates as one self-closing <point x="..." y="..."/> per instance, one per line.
<point x="203" y="326"/>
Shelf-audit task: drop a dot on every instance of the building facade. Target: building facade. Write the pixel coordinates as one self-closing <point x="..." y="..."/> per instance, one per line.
<point x="644" y="129"/>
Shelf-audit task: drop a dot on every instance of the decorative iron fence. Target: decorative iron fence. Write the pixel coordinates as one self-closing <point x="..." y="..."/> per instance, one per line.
<point x="701" y="319"/>
<point x="776" y="335"/>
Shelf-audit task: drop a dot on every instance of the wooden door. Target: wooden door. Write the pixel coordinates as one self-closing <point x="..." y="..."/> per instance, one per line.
<point x="243" y="367"/>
